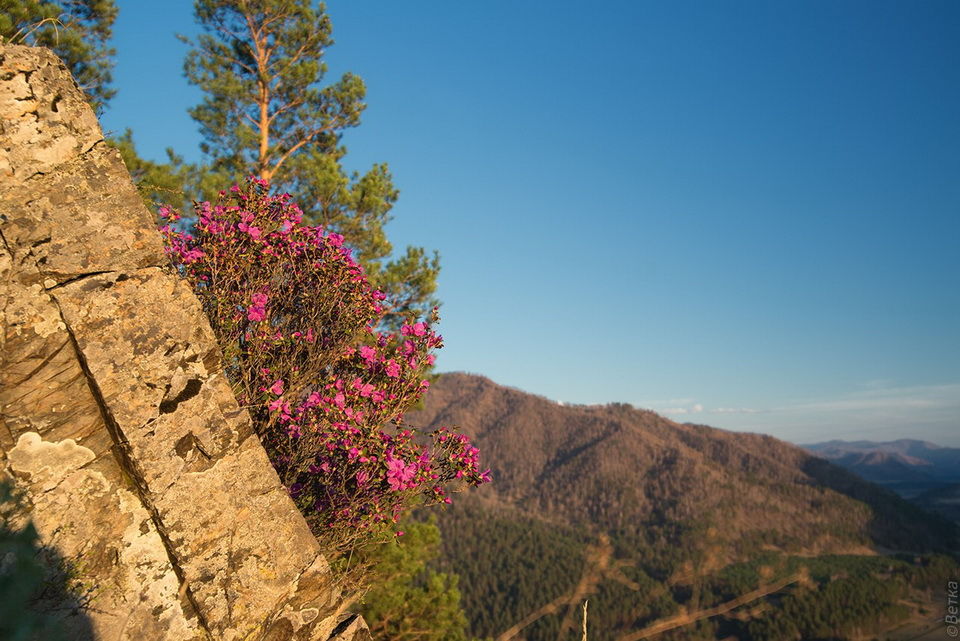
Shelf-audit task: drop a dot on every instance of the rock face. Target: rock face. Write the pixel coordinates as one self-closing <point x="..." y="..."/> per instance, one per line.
<point x="115" y="418"/>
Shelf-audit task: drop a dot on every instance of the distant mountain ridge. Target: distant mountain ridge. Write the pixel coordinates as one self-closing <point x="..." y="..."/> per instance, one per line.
<point x="907" y="466"/>
<point x="933" y="460"/>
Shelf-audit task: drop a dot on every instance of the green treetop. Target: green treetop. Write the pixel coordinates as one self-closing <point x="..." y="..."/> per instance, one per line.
<point x="409" y="601"/>
<point x="76" y="30"/>
<point x="267" y="112"/>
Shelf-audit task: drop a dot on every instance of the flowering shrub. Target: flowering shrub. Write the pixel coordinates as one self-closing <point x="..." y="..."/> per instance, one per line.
<point x="297" y="321"/>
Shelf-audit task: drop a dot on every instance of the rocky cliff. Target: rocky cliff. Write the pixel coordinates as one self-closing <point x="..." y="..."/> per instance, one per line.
<point x="139" y="468"/>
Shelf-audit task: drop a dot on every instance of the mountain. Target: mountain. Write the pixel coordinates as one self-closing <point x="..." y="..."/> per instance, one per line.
<point x="650" y="516"/>
<point x="906" y="466"/>
<point x="627" y="469"/>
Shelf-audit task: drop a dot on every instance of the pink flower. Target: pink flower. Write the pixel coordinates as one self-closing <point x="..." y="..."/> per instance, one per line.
<point x="418" y="329"/>
<point x="192" y="256"/>
<point x="250" y="229"/>
<point x="399" y="474"/>
<point x="392" y="369"/>
<point x="253" y="257"/>
<point x="368" y="354"/>
<point x="168" y="214"/>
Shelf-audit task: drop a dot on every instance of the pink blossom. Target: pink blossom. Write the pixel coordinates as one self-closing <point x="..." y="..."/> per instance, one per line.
<point x="417" y="329"/>
<point x="273" y="291"/>
<point x="250" y="229"/>
<point x="399" y="474"/>
<point x="192" y="256"/>
<point x="168" y="214"/>
<point x="392" y="369"/>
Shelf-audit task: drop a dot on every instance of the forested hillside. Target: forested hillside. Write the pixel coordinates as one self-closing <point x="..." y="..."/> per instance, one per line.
<point x="661" y="523"/>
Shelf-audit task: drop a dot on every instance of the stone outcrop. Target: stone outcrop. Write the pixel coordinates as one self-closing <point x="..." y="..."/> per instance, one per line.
<point x="115" y="417"/>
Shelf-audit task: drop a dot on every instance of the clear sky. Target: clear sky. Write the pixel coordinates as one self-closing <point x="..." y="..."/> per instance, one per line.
<point x="739" y="214"/>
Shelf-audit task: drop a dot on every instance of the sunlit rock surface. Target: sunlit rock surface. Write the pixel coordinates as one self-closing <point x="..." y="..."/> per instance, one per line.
<point x="139" y="467"/>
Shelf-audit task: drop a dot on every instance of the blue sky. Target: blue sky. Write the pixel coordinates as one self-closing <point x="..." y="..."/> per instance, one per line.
<point x="739" y="214"/>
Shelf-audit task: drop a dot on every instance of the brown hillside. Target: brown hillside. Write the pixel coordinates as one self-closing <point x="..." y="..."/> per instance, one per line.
<point x="619" y="469"/>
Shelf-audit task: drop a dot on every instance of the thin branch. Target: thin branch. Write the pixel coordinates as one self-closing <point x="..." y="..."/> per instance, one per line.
<point x="287" y="107"/>
<point x="226" y="58"/>
<point x="34" y="27"/>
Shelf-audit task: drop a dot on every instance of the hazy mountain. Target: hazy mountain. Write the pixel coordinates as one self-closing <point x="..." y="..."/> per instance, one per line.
<point x="655" y="518"/>
<point x="909" y="467"/>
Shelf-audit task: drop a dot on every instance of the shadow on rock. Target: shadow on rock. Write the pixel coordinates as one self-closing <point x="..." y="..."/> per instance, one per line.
<point x="41" y="593"/>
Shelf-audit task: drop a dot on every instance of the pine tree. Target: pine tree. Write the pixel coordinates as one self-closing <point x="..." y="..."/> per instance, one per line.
<point x="76" y="30"/>
<point x="267" y="112"/>
<point x="409" y="601"/>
